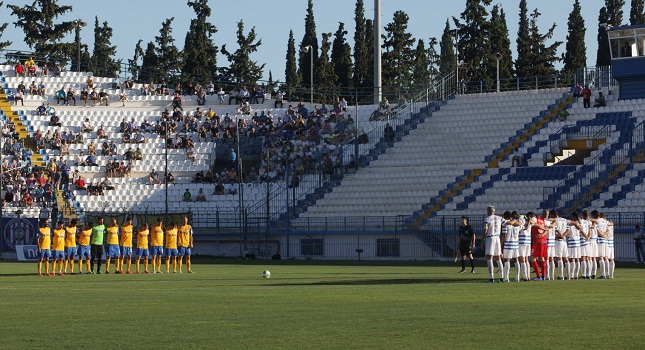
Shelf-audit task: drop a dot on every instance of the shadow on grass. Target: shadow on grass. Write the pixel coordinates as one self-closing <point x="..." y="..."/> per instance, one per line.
<point x="393" y="281"/>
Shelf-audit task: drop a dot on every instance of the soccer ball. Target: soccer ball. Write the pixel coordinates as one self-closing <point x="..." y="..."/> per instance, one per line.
<point x="266" y="274"/>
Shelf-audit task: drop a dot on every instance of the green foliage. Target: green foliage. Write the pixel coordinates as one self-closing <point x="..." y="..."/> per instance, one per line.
<point x="341" y="57"/>
<point x="320" y="304"/>
<point x="575" y="55"/>
<point x="637" y="12"/>
<point x="291" y="76"/>
<point x="311" y="39"/>
<point x="615" y="12"/>
<point x="421" y="66"/>
<point x="242" y="67"/>
<point x="603" y="55"/>
<point x="398" y="55"/>
<point x="368" y="81"/>
<point x="42" y="34"/>
<point x="325" y="78"/>
<point x="447" y="47"/>
<point x="542" y="57"/>
<point x="135" y="66"/>
<point x="499" y="42"/>
<point x="523" y="64"/>
<point x="361" y="50"/>
<point x="3" y="26"/>
<point x="473" y="36"/>
<point x="103" y="63"/>
<point x="150" y="66"/>
<point x="168" y="56"/>
<point x="200" y="53"/>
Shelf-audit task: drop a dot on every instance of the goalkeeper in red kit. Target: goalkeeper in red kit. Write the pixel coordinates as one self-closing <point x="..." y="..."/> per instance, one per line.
<point x="539" y="244"/>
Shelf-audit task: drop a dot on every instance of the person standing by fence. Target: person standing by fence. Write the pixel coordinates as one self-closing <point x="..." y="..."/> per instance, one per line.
<point x="638" y="242"/>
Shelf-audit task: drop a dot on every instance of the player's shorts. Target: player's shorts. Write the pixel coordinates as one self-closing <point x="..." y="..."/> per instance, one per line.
<point x="585" y="250"/>
<point x="126" y="251"/>
<point x="58" y="254"/>
<point x="45" y="253"/>
<point x="464" y="248"/>
<point x="602" y="250"/>
<point x="594" y="249"/>
<point x="610" y="252"/>
<point x="574" y="253"/>
<point x="113" y="251"/>
<point x="143" y="252"/>
<point x="172" y="252"/>
<point x="550" y="252"/>
<point x="184" y="251"/>
<point x="539" y="250"/>
<point x="70" y="251"/>
<point x="511" y="253"/>
<point x="561" y="249"/>
<point x="84" y="251"/>
<point x="157" y="250"/>
<point x="524" y="250"/>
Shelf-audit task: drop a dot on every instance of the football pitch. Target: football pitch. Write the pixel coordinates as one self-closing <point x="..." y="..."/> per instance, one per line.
<point x="318" y="305"/>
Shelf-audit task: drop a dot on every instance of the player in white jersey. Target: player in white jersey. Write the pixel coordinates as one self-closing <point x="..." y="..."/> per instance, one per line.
<point x="573" y="242"/>
<point x="511" y="244"/>
<point x="602" y="229"/>
<point x="490" y="237"/>
<point x="609" y="253"/>
<point x="593" y="238"/>
<point x="561" y="230"/>
<point x="524" y="249"/>
<point x="550" y="242"/>
<point x="585" y="245"/>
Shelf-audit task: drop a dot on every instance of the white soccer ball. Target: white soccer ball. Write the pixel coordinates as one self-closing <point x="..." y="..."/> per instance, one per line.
<point x="266" y="274"/>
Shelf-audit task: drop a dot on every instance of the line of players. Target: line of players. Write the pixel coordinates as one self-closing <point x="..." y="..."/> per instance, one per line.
<point x="578" y="244"/>
<point x="60" y="245"/>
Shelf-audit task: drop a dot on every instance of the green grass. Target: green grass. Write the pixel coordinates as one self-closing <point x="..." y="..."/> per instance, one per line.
<point x="329" y="305"/>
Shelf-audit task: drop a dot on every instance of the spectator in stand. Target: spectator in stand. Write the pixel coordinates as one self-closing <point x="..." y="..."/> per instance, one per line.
<point x="104" y="97"/>
<point x="153" y="177"/>
<point x="201" y="197"/>
<point x="41" y="89"/>
<point x="233" y="95"/>
<point x="187" y="196"/>
<point x="122" y="97"/>
<point x="259" y="95"/>
<point x="71" y="96"/>
<point x="577" y="90"/>
<point x="87" y="127"/>
<point x="116" y="82"/>
<point x="279" y="97"/>
<point x="56" y="71"/>
<point x="389" y="134"/>
<point x="33" y="88"/>
<point x="94" y="96"/>
<point x="20" y="70"/>
<point x="244" y="96"/>
<point x="586" y="97"/>
<point x="201" y="95"/>
<point x="21" y="87"/>
<point x="101" y="133"/>
<point x="518" y="159"/>
<point x="18" y="97"/>
<point x="219" y="189"/>
<point x="54" y="120"/>
<point x="90" y="83"/>
<point x="170" y="178"/>
<point x="176" y="102"/>
<point x="138" y="137"/>
<point x="44" y="70"/>
<point x="220" y="96"/>
<point x="600" y="100"/>
<point x="85" y="95"/>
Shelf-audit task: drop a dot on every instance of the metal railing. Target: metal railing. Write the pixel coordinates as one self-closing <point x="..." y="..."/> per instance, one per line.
<point x="567" y="133"/>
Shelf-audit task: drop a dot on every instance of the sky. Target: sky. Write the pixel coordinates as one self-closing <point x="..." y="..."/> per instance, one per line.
<point x="132" y="20"/>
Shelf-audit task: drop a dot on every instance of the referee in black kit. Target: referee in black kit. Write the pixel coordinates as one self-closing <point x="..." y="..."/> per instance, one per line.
<point x="466" y="245"/>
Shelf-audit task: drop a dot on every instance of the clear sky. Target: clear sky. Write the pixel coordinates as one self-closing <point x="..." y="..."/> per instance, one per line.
<point x="141" y="19"/>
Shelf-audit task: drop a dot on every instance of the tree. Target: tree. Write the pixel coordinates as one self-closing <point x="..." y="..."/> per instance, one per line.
<point x="3" y="44"/>
<point x="150" y="65"/>
<point x="291" y="76"/>
<point x="242" y="67"/>
<point x="473" y="36"/>
<point x="308" y="39"/>
<point x="41" y="33"/>
<point x="615" y="12"/>
<point x="135" y="67"/>
<point x="361" y="50"/>
<point x="168" y="56"/>
<point x="369" y="44"/>
<point x="522" y="64"/>
<point x="448" y="59"/>
<point x="341" y="56"/>
<point x="575" y="55"/>
<point x="326" y="77"/>
<point x="603" y="55"/>
<point x="200" y="53"/>
<point x="397" y="58"/>
<point x="421" y="66"/>
<point x="542" y="57"/>
<point x="499" y="43"/>
<point x="102" y="63"/>
<point x="637" y="12"/>
<point x="433" y="60"/>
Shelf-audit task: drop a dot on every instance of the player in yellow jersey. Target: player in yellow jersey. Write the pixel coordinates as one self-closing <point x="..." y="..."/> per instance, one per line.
<point x="58" y="248"/>
<point x="70" y="244"/>
<point x="44" y="246"/>
<point x="185" y="243"/>
<point x="113" y="250"/>
<point x="156" y="242"/>
<point x="142" y="247"/>
<point x="126" y="245"/>
<point x="84" y="248"/>
<point x="171" y="247"/>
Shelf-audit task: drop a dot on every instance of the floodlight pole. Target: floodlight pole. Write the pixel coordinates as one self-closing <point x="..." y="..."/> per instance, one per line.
<point x="498" y="57"/>
<point x="78" y="25"/>
<point x="377" y="52"/>
<point x="310" y="50"/>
